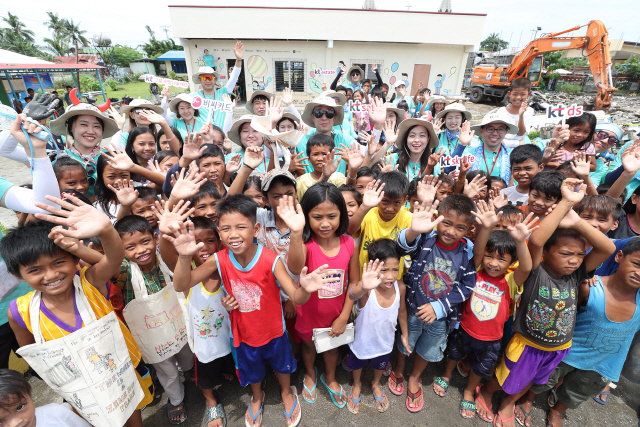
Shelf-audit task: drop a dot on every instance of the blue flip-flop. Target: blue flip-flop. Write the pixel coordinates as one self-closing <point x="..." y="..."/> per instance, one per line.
<point x="332" y="393"/>
<point x="355" y="402"/>
<point x="379" y="400"/>
<point x="254" y="417"/>
<point x="288" y="415"/>
<point x="312" y="389"/>
<point x="602" y="401"/>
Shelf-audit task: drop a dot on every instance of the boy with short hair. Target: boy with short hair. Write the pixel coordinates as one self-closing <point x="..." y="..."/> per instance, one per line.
<point x="147" y="197"/>
<point x="607" y="321"/>
<point x="32" y="256"/>
<point x="441" y="277"/>
<point x="212" y="164"/>
<point x="447" y="185"/>
<point x="381" y="215"/>
<point x="320" y="150"/>
<point x="251" y="276"/>
<point x="483" y="318"/>
<point x="509" y="218"/>
<point x="545" y="319"/>
<point x="518" y="112"/>
<point x="139" y="242"/>
<point x="544" y="192"/>
<point x="205" y="200"/>
<point x="526" y="162"/>
<point x="363" y="177"/>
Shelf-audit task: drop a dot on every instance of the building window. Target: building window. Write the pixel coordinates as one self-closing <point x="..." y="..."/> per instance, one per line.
<point x="179" y="67"/>
<point x="365" y="64"/>
<point x="289" y="74"/>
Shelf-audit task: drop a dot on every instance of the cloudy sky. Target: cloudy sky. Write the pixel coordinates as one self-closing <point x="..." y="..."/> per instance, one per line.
<point x="125" y="20"/>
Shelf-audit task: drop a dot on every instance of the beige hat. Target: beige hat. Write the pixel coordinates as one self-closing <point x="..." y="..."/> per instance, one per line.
<point x="496" y="118"/>
<point x="183" y="97"/>
<point x="457" y="107"/>
<point x="355" y="67"/>
<point x="141" y="103"/>
<point x="249" y="104"/>
<point x="204" y="70"/>
<point x="59" y="125"/>
<point x="333" y="94"/>
<point x="319" y="101"/>
<point x="438" y="98"/>
<point x="399" y="112"/>
<point x="409" y="123"/>
<point x="234" y="132"/>
<point x="292" y="117"/>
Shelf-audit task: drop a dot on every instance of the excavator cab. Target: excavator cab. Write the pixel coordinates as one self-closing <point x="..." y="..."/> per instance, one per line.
<point x="535" y="71"/>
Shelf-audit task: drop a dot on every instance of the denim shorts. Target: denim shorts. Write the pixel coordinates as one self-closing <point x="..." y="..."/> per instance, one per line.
<point x="428" y="340"/>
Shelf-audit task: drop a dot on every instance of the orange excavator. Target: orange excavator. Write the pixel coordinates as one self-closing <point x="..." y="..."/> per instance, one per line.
<point x="493" y="80"/>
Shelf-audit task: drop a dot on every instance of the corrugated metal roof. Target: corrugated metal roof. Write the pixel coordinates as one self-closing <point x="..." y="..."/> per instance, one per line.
<point x="172" y="55"/>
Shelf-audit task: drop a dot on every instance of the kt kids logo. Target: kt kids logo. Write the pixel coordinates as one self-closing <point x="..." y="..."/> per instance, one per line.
<point x="563" y="112"/>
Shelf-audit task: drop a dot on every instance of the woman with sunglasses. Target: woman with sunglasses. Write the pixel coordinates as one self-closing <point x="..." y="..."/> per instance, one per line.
<point x="137" y="117"/>
<point x="606" y="136"/>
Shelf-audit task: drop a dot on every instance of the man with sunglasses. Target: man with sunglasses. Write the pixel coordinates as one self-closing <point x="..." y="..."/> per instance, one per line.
<point x="322" y="114"/>
<point x="207" y="78"/>
<point x="605" y="137"/>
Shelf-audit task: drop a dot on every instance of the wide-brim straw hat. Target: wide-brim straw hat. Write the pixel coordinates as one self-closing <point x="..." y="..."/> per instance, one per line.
<point x="355" y="67"/>
<point x="408" y="124"/>
<point x="59" y="125"/>
<point x="141" y="103"/>
<point x="438" y="98"/>
<point x="204" y="70"/>
<point x="333" y="94"/>
<point x="458" y="108"/>
<point x="322" y="101"/>
<point x="183" y="97"/>
<point x="249" y="104"/>
<point x="399" y="112"/>
<point x="292" y="117"/>
<point x="496" y="118"/>
<point x="234" y="132"/>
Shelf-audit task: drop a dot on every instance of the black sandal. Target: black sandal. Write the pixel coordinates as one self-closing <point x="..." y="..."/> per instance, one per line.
<point x="172" y="411"/>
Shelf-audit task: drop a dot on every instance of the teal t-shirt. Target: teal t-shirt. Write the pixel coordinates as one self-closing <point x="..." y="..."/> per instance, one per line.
<point x="218" y="116"/>
<point x="181" y="125"/>
<point x="261" y="168"/>
<point x="490" y="163"/>
<point x="340" y="140"/>
<point x="634" y="183"/>
<point x="92" y="173"/>
<point x="413" y="169"/>
<point x="208" y="61"/>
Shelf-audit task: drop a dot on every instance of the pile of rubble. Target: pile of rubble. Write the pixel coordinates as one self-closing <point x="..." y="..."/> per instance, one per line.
<point x="625" y="110"/>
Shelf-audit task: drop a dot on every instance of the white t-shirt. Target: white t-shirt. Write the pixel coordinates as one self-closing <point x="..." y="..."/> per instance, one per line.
<point x="510" y="140"/>
<point x="515" y="197"/>
<point x="57" y="415"/>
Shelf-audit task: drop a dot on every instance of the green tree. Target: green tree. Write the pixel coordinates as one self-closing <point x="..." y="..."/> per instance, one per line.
<point x="55" y="23"/>
<point x="154" y="47"/>
<point x="76" y="37"/>
<point x="57" y="46"/>
<point x="493" y="43"/>
<point x="124" y="54"/>
<point x="18" y="28"/>
<point x="630" y="67"/>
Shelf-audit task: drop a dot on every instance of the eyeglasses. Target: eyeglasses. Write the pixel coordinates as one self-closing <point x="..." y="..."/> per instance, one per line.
<point x="207" y="78"/>
<point x="603" y="136"/>
<point x="330" y="114"/>
<point x="496" y="130"/>
<point x="140" y="110"/>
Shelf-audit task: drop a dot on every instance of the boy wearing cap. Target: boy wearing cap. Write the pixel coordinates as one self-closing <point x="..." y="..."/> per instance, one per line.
<point x="401" y="95"/>
<point x="492" y="156"/>
<point x="207" y="77"/>
<point x="518" y="112"/>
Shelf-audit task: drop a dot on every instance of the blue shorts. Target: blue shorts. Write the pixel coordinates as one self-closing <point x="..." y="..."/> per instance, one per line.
<point x="428" y="340"/>
<point x="251" y="360"/>
<point x="483" y="354"/>
<point x="380" y="363"/>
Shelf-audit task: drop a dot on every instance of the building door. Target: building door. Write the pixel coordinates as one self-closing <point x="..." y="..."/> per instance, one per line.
<point x="420" y="74"/>
<point x="240" y="90"/>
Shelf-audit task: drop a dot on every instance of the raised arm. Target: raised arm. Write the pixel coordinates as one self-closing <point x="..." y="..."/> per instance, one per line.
<point x="184" y="240"/>
<point x="631" y="165"/>
<point x="233" y="77"/>
<point x="519" y="232"/>
<point x="487" y="219"/>
<point x="373" y="195"/>
<point x="292" y="215"/>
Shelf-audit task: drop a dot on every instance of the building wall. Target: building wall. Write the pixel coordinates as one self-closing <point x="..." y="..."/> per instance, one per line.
<point x="142" y="67"/>
<point x="396" y="61"/>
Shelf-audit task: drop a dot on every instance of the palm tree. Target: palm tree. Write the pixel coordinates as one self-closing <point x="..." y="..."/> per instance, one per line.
<point x="76" y="36"/>
<point x="55" y="23"/>
<point x="18" y="28"/>
<point x="58" y="45"/>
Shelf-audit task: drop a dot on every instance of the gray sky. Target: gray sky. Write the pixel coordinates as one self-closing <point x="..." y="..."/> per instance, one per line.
<point x="125" y="20"/>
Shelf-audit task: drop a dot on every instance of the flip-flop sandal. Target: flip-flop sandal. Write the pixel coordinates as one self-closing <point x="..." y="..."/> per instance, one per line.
<point x="288" y="415"/>
<point x="526" y="414"/>
<point x="255" y="417"/>
<point x="355" y="402"/>
<point x="215" y="413"/>
<point x="332" y="393"/>
<point x="413" y="397"/>
<point x="312" y="389"/>
<point x="345" y="361"/>
<point x="551" y="425"/>
<point x="442" y="383"/>
<point x="462" y="370"/>
<point x="552" y="398"/>
<point x="173" y="411"/>
<point x="602" y="401"/>
<point x="379" y="400"/>
<point x="398" y="389"/>
<point x="476" y="396"/>
<point x="387" y="371"/>
<point x="467" y="405"/>
<point x="502" y="420"/>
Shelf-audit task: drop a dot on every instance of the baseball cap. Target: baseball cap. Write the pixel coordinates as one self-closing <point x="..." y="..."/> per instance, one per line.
<point x="268" y="178"/>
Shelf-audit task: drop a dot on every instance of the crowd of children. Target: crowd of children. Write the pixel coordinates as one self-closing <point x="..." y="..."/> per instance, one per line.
<point x="412" y="235"/>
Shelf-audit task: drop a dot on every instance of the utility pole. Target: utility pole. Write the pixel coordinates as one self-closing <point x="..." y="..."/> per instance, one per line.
<point x="165" y="28"/>
<point x="408" y="6"/>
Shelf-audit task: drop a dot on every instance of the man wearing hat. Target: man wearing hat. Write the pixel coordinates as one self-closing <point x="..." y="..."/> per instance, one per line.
<point x="347" y="121"/>
<point x="258" y="103"/>
<point x="322" y="114"/>
<point x="401" y="95"/>
<point x="492" y="156"/>
<point x="354" y="75"/>
<point x="207" y="78"/>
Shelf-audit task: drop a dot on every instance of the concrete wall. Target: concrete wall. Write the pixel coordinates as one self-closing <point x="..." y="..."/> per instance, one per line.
<point x="142" y="67"/>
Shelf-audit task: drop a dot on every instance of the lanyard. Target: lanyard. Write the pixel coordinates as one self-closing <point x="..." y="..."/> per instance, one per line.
<point x="449" y="144"/>
<point x="494" y="162"/>
<point x="186" y="126"/>
<point x="414" y="171"/>
<point x="214" y="98"/>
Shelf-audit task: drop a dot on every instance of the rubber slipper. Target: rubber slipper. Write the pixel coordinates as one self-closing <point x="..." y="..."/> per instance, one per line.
<point x="525" y="413"/>
<point x="288" y="415"/>
<point x="312" y="389"/>
<point x="442" y="383"/>
<point x="398" y="389"/>
<point x="355" y="402"/>
<point x="387" y="371"/>
<point x="467" y="405"/>
<point x="552" y="398"/>
<point x="251" y="414"/>
<point x="462" y="370"/>
<point x="502" y="420"/>
<point x="173" y="411"/>
<point x="413" y="397"/>
<point x="332" y="393"/>
<point x="476" y="396"/>
<point x="379" y="400"/>
<point x="601" y="401"/>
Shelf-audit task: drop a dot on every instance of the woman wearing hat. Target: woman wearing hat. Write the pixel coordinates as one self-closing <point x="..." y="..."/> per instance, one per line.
<point x="354" y="76"/>
<point x="322" y="114"/>
<point x="452" y="117"/>
<point x="415" y="140"/>
<point x="492" y="156"/>
<point x="244" y="135"/>
<point x="438" y="104"/>
<point x="207" y="77"/>
<point x="188" y="120"/>
<point x="137" y="117"/>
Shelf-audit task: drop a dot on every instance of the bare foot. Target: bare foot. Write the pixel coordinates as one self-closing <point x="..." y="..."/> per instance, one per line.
<point x="414" y="386"/>
<point x="335" y="386"/>
<point x="439" y="390"/>
<point x="483" y="404"/>
<point x="554" y="418"/>
<point x="507" y="413"/>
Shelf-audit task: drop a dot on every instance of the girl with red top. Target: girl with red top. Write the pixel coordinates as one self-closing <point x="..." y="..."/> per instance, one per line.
<point x="317" y="238"/>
